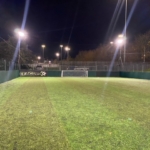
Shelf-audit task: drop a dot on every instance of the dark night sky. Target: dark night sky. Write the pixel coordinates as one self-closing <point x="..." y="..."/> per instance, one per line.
<point x="81" y="24"/>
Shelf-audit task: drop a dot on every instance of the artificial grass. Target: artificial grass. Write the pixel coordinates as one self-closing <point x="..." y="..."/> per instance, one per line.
<point x="97" y="114"/>
<point x="28" y="120"/>
<point x="76" y="114"/>
<point x="7" y="88"/>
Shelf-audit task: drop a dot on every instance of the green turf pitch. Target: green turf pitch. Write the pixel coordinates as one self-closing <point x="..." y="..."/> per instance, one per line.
<point x="75" y="114"/>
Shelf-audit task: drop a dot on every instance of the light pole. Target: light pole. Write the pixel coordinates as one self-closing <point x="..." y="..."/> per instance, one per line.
<point x="120" y="41"/>
<point x="67" y="50"/>
<point x="61" y="46"/>
<point x="57" y="55"/>
<point x="21" y="35"/>
<point x="39" y="57"/>
<point x="43" y="47"/>
<point x="126" y="7"/>
<point x="144" y="55"/>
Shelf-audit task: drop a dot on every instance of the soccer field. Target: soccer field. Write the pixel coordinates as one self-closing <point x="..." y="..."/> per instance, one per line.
<point x="44" y="113"/>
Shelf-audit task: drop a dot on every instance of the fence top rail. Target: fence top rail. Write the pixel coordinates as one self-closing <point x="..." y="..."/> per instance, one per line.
<point x="98" y="62"/>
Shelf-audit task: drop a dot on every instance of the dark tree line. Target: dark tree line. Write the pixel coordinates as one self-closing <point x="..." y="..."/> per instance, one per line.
<point x="137" y="51"/>
<point x="7" y="50"/>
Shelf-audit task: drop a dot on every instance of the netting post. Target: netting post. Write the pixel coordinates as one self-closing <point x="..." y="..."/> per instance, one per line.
<point x="5" y="65"/>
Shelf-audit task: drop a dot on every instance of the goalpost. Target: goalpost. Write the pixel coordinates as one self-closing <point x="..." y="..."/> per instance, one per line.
<point x="74" y="73"/>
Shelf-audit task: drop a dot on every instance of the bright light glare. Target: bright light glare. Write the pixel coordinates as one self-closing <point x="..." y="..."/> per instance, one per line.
<point x="43" y="46"/>
<point x="67" y="48"/>
<point x="61" y="46"/>
<point x="38" y="57"/>
<point x="120" y="35"/>
<point x="57" y="54"/>
<point x="119" y="41"/>
<point x="21" y="33"/>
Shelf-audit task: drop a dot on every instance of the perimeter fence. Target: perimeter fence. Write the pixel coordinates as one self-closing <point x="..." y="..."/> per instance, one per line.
<point x="105" y="66"/>
<point x="91" y="66"/>
<point x="8" y="65"/>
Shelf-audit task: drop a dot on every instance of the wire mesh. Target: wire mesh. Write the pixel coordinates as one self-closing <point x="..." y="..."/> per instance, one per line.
<point x="79" y="65"/>
<point x="8" y="65"/>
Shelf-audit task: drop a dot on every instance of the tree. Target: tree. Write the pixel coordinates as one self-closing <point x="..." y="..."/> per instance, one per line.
<point x="102" y="53"/>
<point x="7" y="50"/>
<point x="141" y="46"/>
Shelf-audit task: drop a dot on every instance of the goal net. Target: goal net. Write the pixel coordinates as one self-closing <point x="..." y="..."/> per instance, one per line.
<point x="74" y="73"/>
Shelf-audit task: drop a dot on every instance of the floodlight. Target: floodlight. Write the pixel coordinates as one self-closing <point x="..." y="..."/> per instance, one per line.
<point x="21" y="33"/>
<point x="57" y="54"/>
<point x="43" y="46"/>
<point x="67" y="48"/>
<point x="120" y="36"/>
<point x="39" y="57"/>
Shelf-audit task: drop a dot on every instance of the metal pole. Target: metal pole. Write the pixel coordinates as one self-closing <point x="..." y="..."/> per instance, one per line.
<point x="43" y="53"/>
<point x="61" y="55"/>
<point x="120" y="58"/>
<point x="144" y="54"/>
<point x="121" y="63"/>
<point x="5" y="64"/>
<point x="68" y="55"/>
<point x="19" y="58"/>
<point x="19" y="53"/>
<point x="125" y="30"/>
<point x="120" y="53"/>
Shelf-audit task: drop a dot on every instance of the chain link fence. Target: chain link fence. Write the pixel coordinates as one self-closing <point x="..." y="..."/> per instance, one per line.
<point x="79" y="65"/>
<point x="7" y="65"/>
<point x="105" y="66"/>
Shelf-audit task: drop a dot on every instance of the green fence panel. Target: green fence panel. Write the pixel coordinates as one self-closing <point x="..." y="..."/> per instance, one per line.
<point x="107" y="74"/>
<point x="8" y="75"/>
<point x="138" y="75"/>
<point x="91" y="73"/>
<point x="53" y="73"/>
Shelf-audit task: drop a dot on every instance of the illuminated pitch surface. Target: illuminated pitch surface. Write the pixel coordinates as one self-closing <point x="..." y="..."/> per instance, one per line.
<point x="75" y="114"/>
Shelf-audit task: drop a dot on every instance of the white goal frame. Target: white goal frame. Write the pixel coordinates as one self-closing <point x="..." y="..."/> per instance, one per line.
<point x="85" y="72"/>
